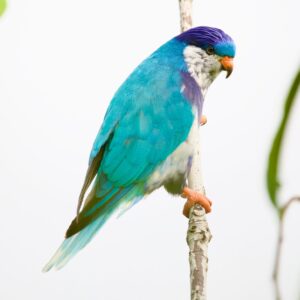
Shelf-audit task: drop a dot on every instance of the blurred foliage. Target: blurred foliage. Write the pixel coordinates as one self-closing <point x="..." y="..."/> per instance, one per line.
<point x="273" y="183"/>
<point x="2" y="6"/>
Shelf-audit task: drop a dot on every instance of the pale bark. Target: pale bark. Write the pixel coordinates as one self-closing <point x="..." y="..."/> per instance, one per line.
<point x="185" y="7"/>
<point x="198" y="237"/>
<point x="198" y="234"/>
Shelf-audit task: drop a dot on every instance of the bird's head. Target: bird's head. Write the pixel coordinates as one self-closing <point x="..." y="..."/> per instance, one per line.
<point x="208" y="51"/>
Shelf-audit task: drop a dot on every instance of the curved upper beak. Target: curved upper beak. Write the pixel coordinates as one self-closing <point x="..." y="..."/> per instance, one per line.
<point x="227" y="64"/>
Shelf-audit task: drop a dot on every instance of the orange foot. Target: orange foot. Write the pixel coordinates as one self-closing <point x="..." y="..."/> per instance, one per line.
<point x="194" y="197"/>
<point x="203" y="120"/>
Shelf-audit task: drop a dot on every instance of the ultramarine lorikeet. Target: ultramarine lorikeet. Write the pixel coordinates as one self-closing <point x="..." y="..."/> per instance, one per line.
<point x="145" y="139"/>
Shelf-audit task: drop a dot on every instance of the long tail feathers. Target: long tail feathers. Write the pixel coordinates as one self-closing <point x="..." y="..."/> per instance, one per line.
<point x="72" y="245"/>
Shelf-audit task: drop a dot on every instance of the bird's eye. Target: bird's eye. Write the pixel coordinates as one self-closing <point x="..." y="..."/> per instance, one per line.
<point x="210" y="50"/>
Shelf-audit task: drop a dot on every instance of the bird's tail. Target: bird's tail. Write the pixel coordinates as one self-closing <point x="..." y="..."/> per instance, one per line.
<point x="71" y="245"/>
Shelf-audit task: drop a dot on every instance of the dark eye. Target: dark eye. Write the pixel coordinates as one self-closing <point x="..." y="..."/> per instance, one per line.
<point x="210" y="50"/>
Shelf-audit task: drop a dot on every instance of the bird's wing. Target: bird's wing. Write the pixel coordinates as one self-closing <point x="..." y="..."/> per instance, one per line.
<point x="111" y="118"/>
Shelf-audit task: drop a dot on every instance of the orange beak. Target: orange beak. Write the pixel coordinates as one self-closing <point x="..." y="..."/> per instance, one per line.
<point x="227" y="64"/>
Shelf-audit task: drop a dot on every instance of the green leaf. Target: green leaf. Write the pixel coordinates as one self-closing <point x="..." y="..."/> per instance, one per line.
<point x="275" y="152"/>
<point x="2" y="6"/>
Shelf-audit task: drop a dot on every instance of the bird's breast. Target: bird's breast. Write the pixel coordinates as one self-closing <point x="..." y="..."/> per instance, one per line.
<point x="178" y="163"/>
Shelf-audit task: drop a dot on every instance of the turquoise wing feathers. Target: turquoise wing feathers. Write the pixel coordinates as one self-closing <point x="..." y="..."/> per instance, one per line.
<point x="148" y="118"/>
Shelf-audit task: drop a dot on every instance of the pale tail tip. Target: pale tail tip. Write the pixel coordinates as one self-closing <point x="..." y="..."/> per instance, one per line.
<point x="47" y="268"/>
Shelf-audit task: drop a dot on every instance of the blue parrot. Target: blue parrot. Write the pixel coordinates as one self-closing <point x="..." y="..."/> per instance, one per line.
<point x="145" y="139"/>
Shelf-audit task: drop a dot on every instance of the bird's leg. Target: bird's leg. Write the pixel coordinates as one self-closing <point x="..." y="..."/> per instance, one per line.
<point x="193" y="198"/>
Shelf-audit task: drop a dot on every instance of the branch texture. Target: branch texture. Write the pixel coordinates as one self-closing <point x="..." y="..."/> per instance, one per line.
<point x="185" y="7"/>
<point x="198" y="234"/>
<point x="198" y="237"/>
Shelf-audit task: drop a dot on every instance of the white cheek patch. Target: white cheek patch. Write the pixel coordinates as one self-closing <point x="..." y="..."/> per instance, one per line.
<point x="203" y="68"/>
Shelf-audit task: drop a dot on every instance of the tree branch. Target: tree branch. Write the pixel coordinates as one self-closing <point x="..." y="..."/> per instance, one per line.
<point x="198" y="234"/>
<point x="185" y="7"/>
<point x="198" y="237"/>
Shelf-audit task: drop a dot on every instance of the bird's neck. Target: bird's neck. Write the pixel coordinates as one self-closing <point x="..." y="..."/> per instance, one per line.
<point x="198" y="67"/>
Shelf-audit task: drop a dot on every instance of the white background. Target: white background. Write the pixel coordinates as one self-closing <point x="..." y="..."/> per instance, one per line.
<point x="60" y="64"/>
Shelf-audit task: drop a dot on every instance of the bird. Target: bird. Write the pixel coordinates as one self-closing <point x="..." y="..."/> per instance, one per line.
<point x="145" y="141"/>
